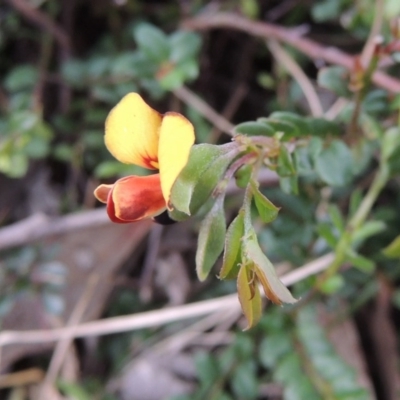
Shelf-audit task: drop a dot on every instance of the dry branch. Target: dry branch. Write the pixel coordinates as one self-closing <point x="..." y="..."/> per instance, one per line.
<point x="265" y="30"/>
<point x="152" y="318"/>
<point x="40" y="226"/>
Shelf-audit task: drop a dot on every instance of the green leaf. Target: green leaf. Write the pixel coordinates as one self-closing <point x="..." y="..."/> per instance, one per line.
<point x="315" y="146"/>
<point x="75" y="72"/>
<point x="206" y="166"/>
<point x="334" y="164"/>
<point x="189" y="69"/>
<point x="336" y="217"/>
<point x="21" y="78"/>
<point x="211" y="239"/>
<point x="244" y="381"/>
<point x="273" y="347"/>
<point x="243" y="175"/>
<point x="289" y="184"/>
<point x="321" y="127"/>
<point x="232" y="253"/>
<point x="250" y="8"/>
<point x="249" y="296"/>
<point x="253" y="128"/>
<point x="73" y="390"/>
<point x="289" y="129"/>
<point x="274" y="289"/>
<point x="362" y="263"/>
<point x="301" y="123"/>
<point x="184" y="46"/>
<point x="368" y="229"/>
<point x="266" y="209"/>
<point x="206" y="367"/>
<point x="153" y="42"/>
<point x="393" y="249"/>
<point x="335" y="79"/>
<point x="390" y="142"/>
<point x="286" y="166"/>
<point x="332" y="284"/>
<point x="325" y="230"/>
<point x="174" y="79"/>
<point x="326" y="10"/>
<point x="14" y="165"/>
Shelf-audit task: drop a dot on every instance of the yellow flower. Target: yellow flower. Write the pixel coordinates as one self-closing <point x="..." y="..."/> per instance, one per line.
<point x="137" y="134"/>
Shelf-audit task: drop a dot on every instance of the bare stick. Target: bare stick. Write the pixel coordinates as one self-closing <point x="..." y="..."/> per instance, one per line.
<point x="283" y="57"/>
<point x="39" y="226"/>
<point x="188" y="97"/>
<point x="312" y="49"/>
<point x="63" y="345"/>
<point x="42" y="20"/>
<point x="152" y="318"/>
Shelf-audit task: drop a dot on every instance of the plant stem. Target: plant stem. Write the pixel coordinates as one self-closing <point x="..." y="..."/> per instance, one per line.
<point x="356" y="221"/>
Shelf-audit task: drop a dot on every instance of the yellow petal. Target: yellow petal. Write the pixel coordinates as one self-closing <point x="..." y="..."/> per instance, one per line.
<point x="132" y="132"/>
<point x="176" y="139"/>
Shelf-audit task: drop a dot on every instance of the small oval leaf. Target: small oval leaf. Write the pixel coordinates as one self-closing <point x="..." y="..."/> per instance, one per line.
<point x="205" y="168"/>
<point x="232" y="252"/>
<point x="274" y="289"/>
<point x="266" y="209"/>
<point x="253" y="128"/>
<point x="249" y="296"/>
<point x="211" y="239"/>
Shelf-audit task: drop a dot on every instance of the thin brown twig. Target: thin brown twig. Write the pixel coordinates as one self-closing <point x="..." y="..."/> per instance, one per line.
<point x="63" y="345"/>
<point x="370" y="45"/>
<point x="42" y="20"/>
<point x="39" y="226"/>
<point x="265" y="30"/>
<point x="229" y="110"/>
<point x="152" y="318"/>
<point x="287" y="62"/>
<point x="188" y="97"/>
<point x="149" y="264"/>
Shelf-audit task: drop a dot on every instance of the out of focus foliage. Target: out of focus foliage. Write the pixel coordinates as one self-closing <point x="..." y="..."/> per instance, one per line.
<point x="337" y="184"/>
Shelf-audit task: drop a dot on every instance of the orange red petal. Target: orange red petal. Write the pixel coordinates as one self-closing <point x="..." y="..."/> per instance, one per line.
<point x="135" y="197"/>
<point x="101" y="192"/>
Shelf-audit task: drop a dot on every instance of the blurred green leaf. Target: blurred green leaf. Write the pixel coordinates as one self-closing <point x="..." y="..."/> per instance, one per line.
<point x="364" y="264"/>
<point x="273" y="347"/>
<point x="335" y="79"/>
<point x="326" y="10"/>
<point x="334" y="164"/>
<point x="244" y="381"/>
<point x="153" y="42"/>
<point x="75" y="72"/>
<point x="368" y="229"/>
<point x="22" y="77"/>
<point x="184" y="46"/>
<point x="286" y="166"/>
<point x="332" y="285"/>
<point x="73" y="391"/>
<point x="254" y="129"/>
<point x="174" y="79"/>
<point x="285" y="126"/>
<point x="390" y="142"/>
<point x="393" y="249"/>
